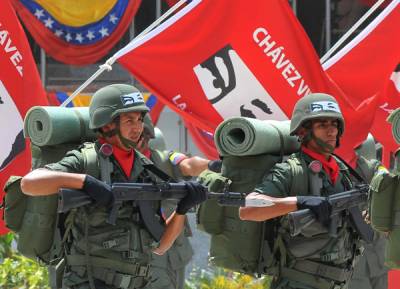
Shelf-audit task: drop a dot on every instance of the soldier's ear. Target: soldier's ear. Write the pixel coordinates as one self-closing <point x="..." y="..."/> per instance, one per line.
<point x="301" y="132"/>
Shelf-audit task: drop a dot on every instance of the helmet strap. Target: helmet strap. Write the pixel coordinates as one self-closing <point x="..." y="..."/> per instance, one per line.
<point x="325" y="146"/>
<point x="126" y="142"/>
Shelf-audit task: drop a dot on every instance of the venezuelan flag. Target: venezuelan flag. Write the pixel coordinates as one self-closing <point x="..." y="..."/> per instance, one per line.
<point x="76" y="32"/>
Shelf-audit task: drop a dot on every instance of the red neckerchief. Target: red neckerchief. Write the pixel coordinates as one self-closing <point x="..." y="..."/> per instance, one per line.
<point x="147" y="153"/>
<point x="124" y="158"/>
<point x="330" y="166"/>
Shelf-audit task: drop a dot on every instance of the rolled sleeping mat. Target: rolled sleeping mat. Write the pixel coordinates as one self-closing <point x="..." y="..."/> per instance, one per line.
<point x="241" y="136"/>
<point x="394" y="119"/>
<point x="53" y="125"/>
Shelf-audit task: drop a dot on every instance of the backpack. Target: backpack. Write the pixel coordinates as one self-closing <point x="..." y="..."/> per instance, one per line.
<point x="34" y="219"/>
<point x="241" y="246"/>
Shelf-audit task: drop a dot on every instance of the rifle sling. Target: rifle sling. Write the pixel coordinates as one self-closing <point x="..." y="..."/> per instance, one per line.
<point x="351" y="170"/>
<point x="159" y="173"/>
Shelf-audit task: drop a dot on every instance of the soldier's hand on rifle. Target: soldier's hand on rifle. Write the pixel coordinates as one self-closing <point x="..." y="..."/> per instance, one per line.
<point x="320" y="206"/>
<point x="197" y="194"/>
<point x="99" y="191"/>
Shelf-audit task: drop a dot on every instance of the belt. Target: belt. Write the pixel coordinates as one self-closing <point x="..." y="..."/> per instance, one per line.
<point x="133" y="269"/>
<point x="322" y="270"/>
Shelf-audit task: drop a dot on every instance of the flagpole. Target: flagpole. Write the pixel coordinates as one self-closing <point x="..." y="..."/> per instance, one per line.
<point x="350" y="31"/>
<point x="108" y="64"/>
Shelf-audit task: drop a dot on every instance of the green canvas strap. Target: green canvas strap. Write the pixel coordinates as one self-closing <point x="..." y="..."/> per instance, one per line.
<point x="118" y="280"/>
<point x="322" y="270"/>
<point x="298" y="167"/>
<point x="308" y="279"/>
<point x="91" y="164"/>
<point x="133" y="269"/>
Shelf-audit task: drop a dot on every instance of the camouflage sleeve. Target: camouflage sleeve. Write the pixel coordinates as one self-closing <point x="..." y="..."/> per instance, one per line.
<point x="277" y="182"/>
<point x="72" y="162"/>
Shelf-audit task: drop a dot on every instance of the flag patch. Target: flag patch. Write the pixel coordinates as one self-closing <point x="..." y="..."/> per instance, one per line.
<point x="175" y="158"/>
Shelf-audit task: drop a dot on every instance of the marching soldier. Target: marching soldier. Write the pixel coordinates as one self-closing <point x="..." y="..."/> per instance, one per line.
<point x="97" y="254"/>
<point x="314" y="259"/>
<point x="170" y="267"/>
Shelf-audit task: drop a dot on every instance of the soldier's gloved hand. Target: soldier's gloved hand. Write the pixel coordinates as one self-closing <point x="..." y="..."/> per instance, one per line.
<point x="99" y="191"/>
<point x="197" y="194"/>
<point x="215" y="166"/>
<point x="320" y="206"/>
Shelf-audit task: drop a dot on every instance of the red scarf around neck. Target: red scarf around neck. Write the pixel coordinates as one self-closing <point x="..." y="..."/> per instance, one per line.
<point x="124" y="158"/>
<point x="330" y="166"/>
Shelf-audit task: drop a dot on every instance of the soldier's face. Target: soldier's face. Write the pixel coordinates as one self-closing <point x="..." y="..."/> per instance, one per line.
<point x="131" y="125"/>
<point x="326" y="130"/>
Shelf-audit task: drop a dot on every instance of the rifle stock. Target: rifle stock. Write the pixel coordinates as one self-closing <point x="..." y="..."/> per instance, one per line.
<point x="69" y="199"/>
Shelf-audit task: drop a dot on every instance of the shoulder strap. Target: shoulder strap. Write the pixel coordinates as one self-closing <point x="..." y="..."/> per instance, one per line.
<point x="96" y="165"/>
<point x="298" y="167"/>
<point x="91" y="165"/>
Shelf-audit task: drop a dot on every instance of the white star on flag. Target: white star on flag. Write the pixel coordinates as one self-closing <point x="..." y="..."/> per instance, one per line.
<point x="58" y="32"/>
<point x="48" y="23"/>
<point x="90" y="35"/>
<point x="39" y="13"/>
<point x="103" y="31"/>
<point x="113" y="18"/>
<point x="79" y="37"/>
<point x="68" y="37"/>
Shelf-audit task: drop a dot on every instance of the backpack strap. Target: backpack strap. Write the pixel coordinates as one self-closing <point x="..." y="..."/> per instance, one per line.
<point x="298" y="168"/>
<point x="96" y="164"/>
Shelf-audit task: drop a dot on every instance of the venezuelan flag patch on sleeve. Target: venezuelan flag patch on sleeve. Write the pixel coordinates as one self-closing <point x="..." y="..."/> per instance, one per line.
<point x="176" y="157"/>
<point x="382" y="170"/>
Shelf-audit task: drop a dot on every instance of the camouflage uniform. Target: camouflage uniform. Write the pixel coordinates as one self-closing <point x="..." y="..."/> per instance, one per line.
<point x="370" y="272"/>
<point x="170" y="267"/>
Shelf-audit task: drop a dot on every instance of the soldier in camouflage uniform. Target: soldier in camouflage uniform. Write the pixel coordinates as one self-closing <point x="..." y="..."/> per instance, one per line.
<point x="370" y="272"/>
<point x="99" y="255"/>
<point x="313" y="259"/>
<point x="170" y="267"/>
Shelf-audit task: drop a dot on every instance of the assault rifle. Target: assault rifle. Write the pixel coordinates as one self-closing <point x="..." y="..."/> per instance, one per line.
<point x="346" y="203"/>
<point x="143" y="194"/>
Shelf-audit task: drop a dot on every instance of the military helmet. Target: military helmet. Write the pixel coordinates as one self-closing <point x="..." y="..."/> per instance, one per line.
<point x="314" y="106"/>
<point x="110" y="101"/>
<point x="149" y="126"/>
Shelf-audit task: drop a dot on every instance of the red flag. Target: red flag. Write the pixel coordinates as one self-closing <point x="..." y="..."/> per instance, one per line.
<point x="216" y="59"/>
<point x="363" y="69"/>
<point x="20" y="88"/>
